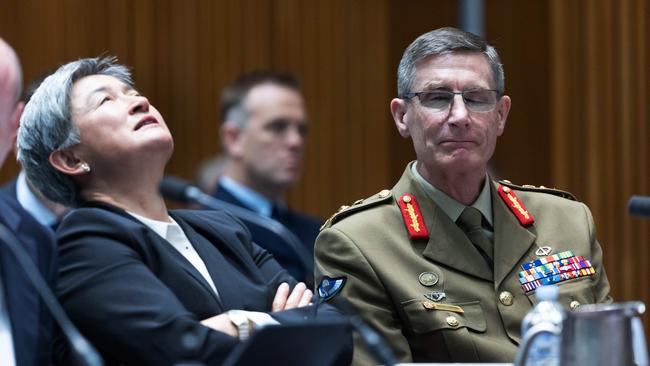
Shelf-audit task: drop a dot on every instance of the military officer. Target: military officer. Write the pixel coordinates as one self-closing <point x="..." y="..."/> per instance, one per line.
<point x="445" y="264"/>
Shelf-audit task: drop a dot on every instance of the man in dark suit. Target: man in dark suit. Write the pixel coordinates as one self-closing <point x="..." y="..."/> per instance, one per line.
<point x="46" y="212"/>
<point x="25" y="324"/>
<point x="263" y="134"/>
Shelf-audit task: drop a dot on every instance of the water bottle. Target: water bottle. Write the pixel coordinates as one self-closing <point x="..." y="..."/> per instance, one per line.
<point x="548" y="313"/>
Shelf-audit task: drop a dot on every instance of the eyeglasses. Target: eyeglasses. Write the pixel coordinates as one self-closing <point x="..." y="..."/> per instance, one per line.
<point x="477" y="100"/>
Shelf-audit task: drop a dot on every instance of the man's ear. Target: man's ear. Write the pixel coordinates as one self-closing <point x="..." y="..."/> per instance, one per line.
<point x="503" y="108"/>
<point x="398" y="108"/>
<point x="230" y="137"/>
<point x="68" y="163"/>
<point x="18" y="112"/>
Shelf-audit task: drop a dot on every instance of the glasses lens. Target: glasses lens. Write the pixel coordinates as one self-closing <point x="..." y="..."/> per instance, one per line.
<point x="438" y="99"/>
<point x="480" y="100"/>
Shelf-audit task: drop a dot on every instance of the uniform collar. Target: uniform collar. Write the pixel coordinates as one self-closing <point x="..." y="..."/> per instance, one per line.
<point x="450" y="206"/>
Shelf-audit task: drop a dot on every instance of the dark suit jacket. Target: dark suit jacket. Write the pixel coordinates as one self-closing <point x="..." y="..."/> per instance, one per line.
<point x="304" y="227"/>
<point x="9" y="189"/>
<point x="135" y="297"/>
<point x="31" y="324"/>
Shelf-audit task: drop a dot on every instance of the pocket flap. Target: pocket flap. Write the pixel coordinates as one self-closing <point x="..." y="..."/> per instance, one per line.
<point x="423" y="320"/>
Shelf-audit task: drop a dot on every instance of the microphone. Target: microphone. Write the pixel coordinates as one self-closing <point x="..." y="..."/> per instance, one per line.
<point x="87" y="354"/>
<point x="179" y="190"/>
<point x="370" y="338"/>
<point x="639" y="206"/>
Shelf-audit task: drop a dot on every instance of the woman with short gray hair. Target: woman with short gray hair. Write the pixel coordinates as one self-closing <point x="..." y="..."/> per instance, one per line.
<point x="135" y="277"/>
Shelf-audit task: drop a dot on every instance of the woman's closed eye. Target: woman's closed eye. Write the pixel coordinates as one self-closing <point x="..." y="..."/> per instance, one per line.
<point x="105" y="99"/>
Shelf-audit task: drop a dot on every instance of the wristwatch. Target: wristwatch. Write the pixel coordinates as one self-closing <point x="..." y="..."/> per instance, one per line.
<point x="239" y="319"/>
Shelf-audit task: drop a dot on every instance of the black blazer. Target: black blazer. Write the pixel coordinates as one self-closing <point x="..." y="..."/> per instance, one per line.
<point x="134" y="296"/>
<point x="31" y="324"/>
<point x="303" y="226"/>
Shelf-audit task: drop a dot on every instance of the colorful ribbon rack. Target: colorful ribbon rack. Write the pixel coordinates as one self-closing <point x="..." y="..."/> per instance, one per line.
<point x="554" y="269"/>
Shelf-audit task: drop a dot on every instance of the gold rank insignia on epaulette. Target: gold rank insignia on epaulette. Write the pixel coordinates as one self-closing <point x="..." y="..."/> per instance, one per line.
<point x="542" y="189"/>
<point x="515" y="205"/>
<point x="358" y="205"/>
<point x="412" y="217"/>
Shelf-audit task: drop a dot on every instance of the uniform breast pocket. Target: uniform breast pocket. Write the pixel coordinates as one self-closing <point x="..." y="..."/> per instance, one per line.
<point x="423" y="319"/>
<point x="573" y="293"/>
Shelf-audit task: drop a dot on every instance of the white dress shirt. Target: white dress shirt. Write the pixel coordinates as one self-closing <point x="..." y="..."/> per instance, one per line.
<point x="175" y="236"/>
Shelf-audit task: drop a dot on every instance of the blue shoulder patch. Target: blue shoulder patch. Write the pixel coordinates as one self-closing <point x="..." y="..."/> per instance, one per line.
<point x="329" y="287"/>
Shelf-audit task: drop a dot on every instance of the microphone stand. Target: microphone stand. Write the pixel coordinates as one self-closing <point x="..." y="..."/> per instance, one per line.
<point x="88" y="355"/>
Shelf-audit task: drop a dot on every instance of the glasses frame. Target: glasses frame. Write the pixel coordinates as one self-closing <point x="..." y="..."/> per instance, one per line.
<point x="409" y="96"/>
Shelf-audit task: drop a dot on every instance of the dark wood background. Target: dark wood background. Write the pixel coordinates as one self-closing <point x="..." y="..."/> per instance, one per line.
<point x="577" y="72"/>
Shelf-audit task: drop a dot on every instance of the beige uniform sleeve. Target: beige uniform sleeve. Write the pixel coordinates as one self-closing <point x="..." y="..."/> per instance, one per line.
<point x="601" y="283"/>
<point x="337" y="255"/>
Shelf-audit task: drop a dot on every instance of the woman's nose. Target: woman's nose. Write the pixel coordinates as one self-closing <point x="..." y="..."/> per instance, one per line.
<point x="139" y="104"/>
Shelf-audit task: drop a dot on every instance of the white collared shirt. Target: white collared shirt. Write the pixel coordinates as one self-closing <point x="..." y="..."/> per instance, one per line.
<point x="175" y="236"/>
<point x="251" y="199"/>
<point x="7" y="356"/>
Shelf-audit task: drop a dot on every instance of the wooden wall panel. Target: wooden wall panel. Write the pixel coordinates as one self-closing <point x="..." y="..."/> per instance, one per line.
<point x="519" y="31"/>
<point x="183" y="53"/>
<point x="599" y="98"/>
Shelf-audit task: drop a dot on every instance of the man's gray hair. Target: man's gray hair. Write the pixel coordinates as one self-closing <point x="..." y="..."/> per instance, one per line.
<point x="46" y="126"/>
<point x="441" y="41"/>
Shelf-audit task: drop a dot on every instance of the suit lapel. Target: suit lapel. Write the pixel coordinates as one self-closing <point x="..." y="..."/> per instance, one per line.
<point x="511" y="240"/>
<point x="447" y="244"/>
<point x="228" y="287"/>
<point x="20" y="298"/>
<point x="182" y="261"/>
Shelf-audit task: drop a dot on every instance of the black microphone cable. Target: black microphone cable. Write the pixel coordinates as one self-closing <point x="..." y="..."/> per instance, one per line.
<point x="87" y="354"/>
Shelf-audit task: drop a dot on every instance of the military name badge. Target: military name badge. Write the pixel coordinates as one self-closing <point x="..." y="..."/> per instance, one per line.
<point x="516" y="206"/>
<point x="412" y="217"/>
<point x="553" y="269"/>
<point x="329" y="287"/>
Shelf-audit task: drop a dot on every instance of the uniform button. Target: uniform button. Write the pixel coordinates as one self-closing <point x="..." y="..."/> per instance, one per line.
<point x="384" y="193"/>
<point x="452" y="321"/>
<point x="506" y="298"/>
<point x="574" y="304"/>
<point x="506" y="189"/>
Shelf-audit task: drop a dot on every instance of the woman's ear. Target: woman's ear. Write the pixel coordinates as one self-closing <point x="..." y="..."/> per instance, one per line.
<point x="68" y="163"/>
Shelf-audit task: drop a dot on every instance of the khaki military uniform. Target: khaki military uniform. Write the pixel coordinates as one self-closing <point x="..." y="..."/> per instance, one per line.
<point x="476" y="313"/>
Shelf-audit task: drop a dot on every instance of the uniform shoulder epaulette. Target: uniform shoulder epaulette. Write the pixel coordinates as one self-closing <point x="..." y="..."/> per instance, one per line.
<point x="357" y="206"/>
<point x="531" y="188"/>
